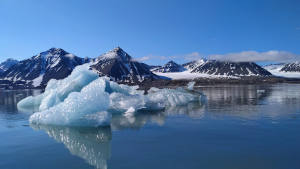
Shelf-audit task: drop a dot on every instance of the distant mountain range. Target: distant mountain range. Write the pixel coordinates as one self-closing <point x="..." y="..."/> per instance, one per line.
<point x="291" y="70"/>
<point x="56" y="63"/>
<point x="36" y="71"/>
<point x="213" y="68"/>
<point x="171" y="66"/>
<point x="291" y="67"/>
<point x="284" y="67"/>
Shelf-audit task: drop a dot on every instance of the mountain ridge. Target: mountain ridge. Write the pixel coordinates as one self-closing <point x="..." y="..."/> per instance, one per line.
<point x="36" y="71"/>
<point x="121" y="67"/>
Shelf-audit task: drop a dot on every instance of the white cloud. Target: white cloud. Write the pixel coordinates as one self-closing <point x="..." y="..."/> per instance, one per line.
<point x="192" y="56"/>
<point x="186" y="57"/>
<point x="254" y="56"/>
<point x="142" y="59"/>
<point x="244" y="56"/>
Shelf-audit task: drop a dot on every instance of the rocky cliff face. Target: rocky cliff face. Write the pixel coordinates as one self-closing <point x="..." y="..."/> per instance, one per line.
<point x="120" y="67"/>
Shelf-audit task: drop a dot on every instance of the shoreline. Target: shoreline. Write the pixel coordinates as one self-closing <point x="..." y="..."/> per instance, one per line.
<point x="162" y="83"/>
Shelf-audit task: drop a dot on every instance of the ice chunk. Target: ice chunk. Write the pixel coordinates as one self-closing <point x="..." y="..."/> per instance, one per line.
<point x="58" y="90"/>
<point x="30" y="103"/>
<point x="85" y="108"/>
<point x="191" y="85"/>
<point x="84" y="99"/>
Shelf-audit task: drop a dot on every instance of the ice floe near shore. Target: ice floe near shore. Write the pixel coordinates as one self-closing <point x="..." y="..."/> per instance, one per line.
<point x="84" y="99"/>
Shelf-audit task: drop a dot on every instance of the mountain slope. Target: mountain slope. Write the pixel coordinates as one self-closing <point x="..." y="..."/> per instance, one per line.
<point x="120" y="67"/>
<point x="171" y="66"/>
<point x="214" y="67"/>
<point x="291" y="67"/>
<point x="289" y="70"/>
<point x="4" y="66"/>
<point x="36" y="71"/>
<point x="193" y="64"/>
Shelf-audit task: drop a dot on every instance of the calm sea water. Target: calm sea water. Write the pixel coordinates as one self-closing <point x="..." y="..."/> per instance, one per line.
<point x="237" y="127"/>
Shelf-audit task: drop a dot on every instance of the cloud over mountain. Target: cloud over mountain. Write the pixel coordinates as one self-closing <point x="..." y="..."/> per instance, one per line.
<point x="254" y="56"/>
<point x="244" y="56"/>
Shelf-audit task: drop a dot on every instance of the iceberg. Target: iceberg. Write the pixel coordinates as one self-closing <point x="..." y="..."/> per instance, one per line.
<point x="85" y="99"/>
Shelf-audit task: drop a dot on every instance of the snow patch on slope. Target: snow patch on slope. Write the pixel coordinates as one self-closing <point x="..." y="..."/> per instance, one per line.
<point x="37" y="81"/>
<point x="190" y="76"/>
<point x="275" y="69"/>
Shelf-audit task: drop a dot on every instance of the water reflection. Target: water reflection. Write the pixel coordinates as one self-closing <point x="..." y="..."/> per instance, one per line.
<point x="90" y="144"/>
<point x="10" y="98"/>
<point x="139" y="119"/>
<point x="232" y="95"/>
<point x="252" y="101"/>
<point x="93" y="144"/>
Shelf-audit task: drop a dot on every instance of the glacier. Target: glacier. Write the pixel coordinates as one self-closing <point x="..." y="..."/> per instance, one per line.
<point x="85" y="99"/>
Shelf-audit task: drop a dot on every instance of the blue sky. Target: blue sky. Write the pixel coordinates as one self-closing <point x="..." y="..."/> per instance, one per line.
<point x="153" y="31"/>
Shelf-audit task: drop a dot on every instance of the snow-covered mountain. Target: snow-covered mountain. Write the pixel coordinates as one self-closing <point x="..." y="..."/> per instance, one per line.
<point x="193" y="64"/>
<point x="36" y="71"/>
<point x="121" y="67"/>
<point x="4" y="66"/>
<point x="291" y="70"/>
<point x="276" y="66"/>
<point x="214" y="67"/>
<point x="171" y="66"/>
<point x="291" y="67"/>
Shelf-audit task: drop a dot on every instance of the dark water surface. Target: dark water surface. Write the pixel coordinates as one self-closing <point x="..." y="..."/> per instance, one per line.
<point x="237" y="127"/>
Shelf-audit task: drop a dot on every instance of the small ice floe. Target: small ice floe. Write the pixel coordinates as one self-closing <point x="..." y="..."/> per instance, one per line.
<point x="191" y="85"/>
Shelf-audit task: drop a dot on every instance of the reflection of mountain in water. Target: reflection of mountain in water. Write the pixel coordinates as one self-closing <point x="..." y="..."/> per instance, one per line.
<point x="90" y="144"/>
<point x="233" y="95"/>
<point x="236" y="100"/>
<point x="285" y="95"/>
<point x="10" y="98"/>
<point x="251" y="101"/>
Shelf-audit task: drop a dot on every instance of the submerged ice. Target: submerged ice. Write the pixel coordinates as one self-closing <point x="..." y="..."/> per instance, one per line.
<point x="84" y="99"/>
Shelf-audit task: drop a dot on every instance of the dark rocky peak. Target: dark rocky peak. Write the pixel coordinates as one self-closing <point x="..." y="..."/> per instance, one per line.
<point x="117" y="53"/>
<point x="171" y="63"/>
<point x="56" y="51"/>
<point x="53" y="52"/>
<point x="171" y="66"/>
<point x="291" y="67"/>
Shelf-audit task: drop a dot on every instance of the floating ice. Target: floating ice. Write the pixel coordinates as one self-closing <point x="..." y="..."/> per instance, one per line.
<point x="191" y="85"/>
<point x="84" y="99"/>
<point x="87" y="107"/>
<point x="58" y="90"/>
